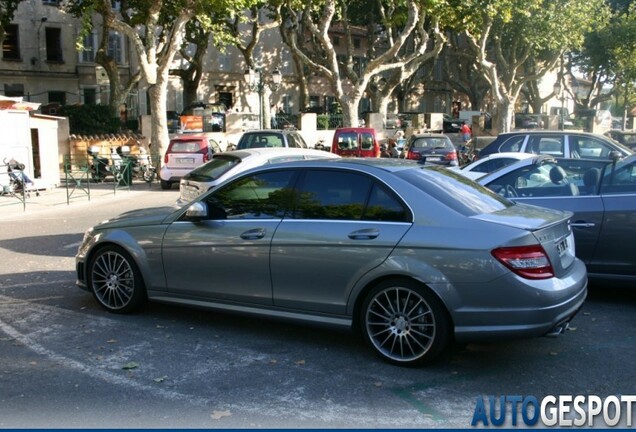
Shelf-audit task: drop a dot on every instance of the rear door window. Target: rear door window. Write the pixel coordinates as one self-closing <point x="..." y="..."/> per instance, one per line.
<point x="541" y="144"/>
<point x="337" y="195"/>
<point x="326" y="194"/>
<point x="348" y="141"/>
<point x="366" y="141"/>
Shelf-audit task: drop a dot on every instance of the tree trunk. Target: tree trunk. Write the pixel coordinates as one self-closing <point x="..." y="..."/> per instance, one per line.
<point x="349" y="111"/>
<point x="505" y="115"/>
<point x="159" y="139"/>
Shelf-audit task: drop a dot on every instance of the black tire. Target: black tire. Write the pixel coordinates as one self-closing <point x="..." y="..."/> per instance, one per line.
<point x="115" y="280"/>
<point x="405" y="323"/>
<point x="165" y="185"/>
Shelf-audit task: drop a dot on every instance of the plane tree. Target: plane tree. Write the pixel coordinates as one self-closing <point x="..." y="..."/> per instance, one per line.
<point x="515" y="42"/>
<point x="156" y="30"/>
<point x="608" y="59"/>
<point x="309" y="26"/>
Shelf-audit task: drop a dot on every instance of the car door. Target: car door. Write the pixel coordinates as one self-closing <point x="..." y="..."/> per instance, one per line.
<point x="226" y="256"/>
<point x="533" y="185"/>
<point x="616" y="251"/>
<point x="344" y="224"/>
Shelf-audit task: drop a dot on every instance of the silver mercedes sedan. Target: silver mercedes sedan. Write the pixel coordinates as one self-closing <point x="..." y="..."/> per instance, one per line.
<point x="411" y="256"/>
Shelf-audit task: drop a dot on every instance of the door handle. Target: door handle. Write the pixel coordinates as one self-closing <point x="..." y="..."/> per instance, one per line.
<point x="254" y="234"/>
<point x="583" y="224"/>
<point x="364" y="234"/>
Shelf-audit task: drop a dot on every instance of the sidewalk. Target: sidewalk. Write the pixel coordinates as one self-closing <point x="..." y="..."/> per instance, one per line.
<point x="61" y="197"/>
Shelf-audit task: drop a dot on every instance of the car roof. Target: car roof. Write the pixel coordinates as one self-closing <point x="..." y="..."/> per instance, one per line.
<point x="276" y="151"/>
<point x="551" y="132"/>
<point x="188" y="137"/>
<point x="429" y="135"/>
<point x="269" y="131"/>
<point x="355" y="129"/>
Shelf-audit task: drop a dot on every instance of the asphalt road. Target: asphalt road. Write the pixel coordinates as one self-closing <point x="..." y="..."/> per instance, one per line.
<point x="66" y="363"/>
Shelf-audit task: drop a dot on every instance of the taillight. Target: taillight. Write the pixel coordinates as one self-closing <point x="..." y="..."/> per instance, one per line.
<point x="206" y="157"/>
<point x="413" y="155"/>
<point x="165" y="158"/>
<point x="451" y="156"/>
<point x="530" y="262"/>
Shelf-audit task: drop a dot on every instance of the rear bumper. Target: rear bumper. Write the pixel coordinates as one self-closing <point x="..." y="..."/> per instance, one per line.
<point x="172" y="174"/>
<point x="546" y="312"/>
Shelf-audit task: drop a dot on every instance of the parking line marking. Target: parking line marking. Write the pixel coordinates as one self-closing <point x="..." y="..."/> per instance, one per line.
<point x="109" y="377"/>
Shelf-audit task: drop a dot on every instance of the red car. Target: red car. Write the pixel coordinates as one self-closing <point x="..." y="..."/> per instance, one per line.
<point x="355" y="142"/>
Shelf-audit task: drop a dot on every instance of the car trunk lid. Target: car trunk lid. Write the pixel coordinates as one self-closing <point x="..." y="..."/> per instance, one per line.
<point x="550" y="228"/>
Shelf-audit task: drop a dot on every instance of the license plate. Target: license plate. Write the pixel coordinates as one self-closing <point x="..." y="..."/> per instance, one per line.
<point x="433" y="158"/>
<point x="562" y="246"/>
<point x="188" y="161"/>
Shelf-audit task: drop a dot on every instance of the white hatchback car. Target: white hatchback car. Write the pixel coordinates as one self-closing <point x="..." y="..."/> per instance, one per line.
<point x="185" y="153"/>
<point x="228" y="164"/>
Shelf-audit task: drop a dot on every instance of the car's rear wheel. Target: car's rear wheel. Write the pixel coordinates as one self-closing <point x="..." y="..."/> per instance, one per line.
<point x="405" y="322"/>
<point x="115" y="280"/>
<point x="165" y="185"/>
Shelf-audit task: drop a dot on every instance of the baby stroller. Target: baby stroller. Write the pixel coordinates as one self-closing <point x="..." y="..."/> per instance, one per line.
<point x="19" y="182"/>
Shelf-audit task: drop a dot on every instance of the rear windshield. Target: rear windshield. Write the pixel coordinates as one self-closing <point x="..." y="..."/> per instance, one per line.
<point x="432" y="143"/>
<point x="214" y="169"/>
<point x="186" y="146"/>
<point x="260" y="140"/>
<point x="454" y="190"/>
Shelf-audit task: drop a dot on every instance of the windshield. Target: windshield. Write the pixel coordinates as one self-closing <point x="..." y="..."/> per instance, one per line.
<point x="219" y="165"/>
<point x="456" y="191"/>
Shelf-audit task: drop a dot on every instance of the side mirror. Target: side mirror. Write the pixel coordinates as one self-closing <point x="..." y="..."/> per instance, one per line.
<point x="197" y="211"/>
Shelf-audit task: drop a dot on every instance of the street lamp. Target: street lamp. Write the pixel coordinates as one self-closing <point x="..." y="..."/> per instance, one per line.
<point x="256" y="82"/>
<point x="557" y="91"/>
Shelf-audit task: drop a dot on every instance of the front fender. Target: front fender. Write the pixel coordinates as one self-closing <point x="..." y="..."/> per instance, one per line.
<point x="144" y="246"/>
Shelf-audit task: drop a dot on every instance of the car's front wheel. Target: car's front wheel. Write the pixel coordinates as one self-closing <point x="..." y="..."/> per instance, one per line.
<point x="405" y="322"/>
<point x="115" y="280"/>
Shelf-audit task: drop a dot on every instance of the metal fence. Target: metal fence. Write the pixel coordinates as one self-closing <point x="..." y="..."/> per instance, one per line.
<point x="330" y="121"/>
<point x="285" y="121"/>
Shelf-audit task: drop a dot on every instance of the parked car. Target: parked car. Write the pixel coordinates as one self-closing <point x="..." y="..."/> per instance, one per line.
<point x="355" y="142"/>
<point x="231" y="163"/>
<point x="451" y="124"/>
<point x="411" y="256"/>
<point x="271" y="138"/>
<point x="627" y="138"/>
<point x="431" y="148"/>
<point x="184" y="154"/>
<point x="392" y="121"/>
<point x="490" y="163"/>
<point x="600" y="193"/>
<point x="555" y="143"/>
<point x="528" y="121"/>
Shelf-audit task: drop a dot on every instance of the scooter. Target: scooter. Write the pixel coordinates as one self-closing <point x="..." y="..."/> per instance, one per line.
<point x="141" y="166"/>
<point x="100" y="166"/>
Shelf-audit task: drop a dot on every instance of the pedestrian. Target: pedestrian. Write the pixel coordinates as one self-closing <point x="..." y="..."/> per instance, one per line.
<point x="465" y="131"/>
<point x="393" y="151"/>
